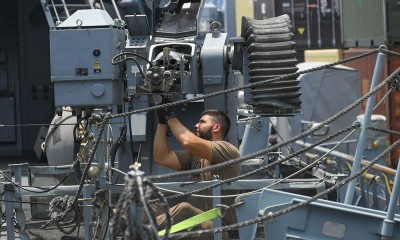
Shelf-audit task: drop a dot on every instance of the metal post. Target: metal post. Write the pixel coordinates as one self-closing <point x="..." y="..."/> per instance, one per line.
<point x="364" y="126"/>
<point x="388" y="222"/>
<point x="255" y="137"/>
<point x="87" y="211"/>
<point x="65" y="8"/>
<point x="230" y="18"/>
<point x="16" y="197"/>
<point x="116" y="9"/>
<point x="217" y="221"/>
<point x="9" y="211"/>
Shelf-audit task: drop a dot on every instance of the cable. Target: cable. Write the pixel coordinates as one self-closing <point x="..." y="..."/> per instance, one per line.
<point x="52" y="130"/>
<point x="255" y="84"/>
<point x="178" y="192"/>
<point x="133" y="196"/>
<point x="144" y="204"/>
<point x="277" y="133"/>
<point x="291" y="208"/>
<point x="34" y="124"/>
<point x="131" y="138"/>
<point x="32" y="191"/>
<point x="76" y="161"/>
<point x="73" y="205"/>
<point x="114" y="62"/>
<point x="313" y="163"/>
<point x="277" y="146"/>
<point x="28" y="202"/>
<point x="391" y="132"/>
<point x="176" y="103"/>
<point x="383" y="98"/>
<point x="355" y="125"/>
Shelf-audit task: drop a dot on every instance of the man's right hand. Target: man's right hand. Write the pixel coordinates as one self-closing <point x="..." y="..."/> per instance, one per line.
<point x="166" y="113"/>
<point x="161" y="116"/>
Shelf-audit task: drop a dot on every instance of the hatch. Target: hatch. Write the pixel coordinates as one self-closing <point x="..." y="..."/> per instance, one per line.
<point x="178" y="19"/>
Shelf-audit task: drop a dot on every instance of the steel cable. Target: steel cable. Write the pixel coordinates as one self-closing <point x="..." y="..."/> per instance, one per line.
<point x="277" y="146"/>
<point x="291" y="208"/>
<point x="354" y="126"/>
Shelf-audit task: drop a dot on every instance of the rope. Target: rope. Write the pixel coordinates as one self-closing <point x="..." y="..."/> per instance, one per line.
<point x="277" y="146"/>
<point x="354" y="126"/>
<point x="52" y="130"/>
<point x="135" y="193"/>
<point x="314" y="163"/>
<point x="291" y="208"/>
<point x="255" y="84"/>
<point x="63" y="203"/>
<point x="219" y="166"/>
<point x="56" y="218"/>
<point x="391" y="132"/>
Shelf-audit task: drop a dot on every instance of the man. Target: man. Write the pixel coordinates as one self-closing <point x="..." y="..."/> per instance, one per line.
<point x="205" y="147"/>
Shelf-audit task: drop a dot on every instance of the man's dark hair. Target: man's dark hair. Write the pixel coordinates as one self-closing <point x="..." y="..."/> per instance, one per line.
<point x="221" y="118"/>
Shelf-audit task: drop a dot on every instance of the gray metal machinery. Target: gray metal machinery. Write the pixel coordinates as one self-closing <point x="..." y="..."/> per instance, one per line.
<point x="117" y="69"/>
<point x="81" y="49"/>
<point x="100" y="65"/>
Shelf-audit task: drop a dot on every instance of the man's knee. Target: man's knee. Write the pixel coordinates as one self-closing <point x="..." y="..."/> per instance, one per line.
<point x="186" y="206"/>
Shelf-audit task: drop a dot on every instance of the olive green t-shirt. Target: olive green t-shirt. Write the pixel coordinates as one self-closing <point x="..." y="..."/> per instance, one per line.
<point x="221" y="151"/>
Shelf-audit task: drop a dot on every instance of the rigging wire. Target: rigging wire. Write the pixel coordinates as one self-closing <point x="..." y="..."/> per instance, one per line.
<point x="105" y="120"/>
<point x="45" y="190"/>
<point x="356" y="57"/>
<point x="269" y="149"/>
<point x="280" y="137"/>
<point x="73" y="204"/>
<point x="355" y="125"/>
<point x="261" y="82"/>
<point x="376" y="89"/>
<point x="35" y="124"/>
<point x="125" y="55"/>
<point x="291" y="208"/>
<point x="52" y="130"/>
<point x="182" y="194"/>
<point x="313" y="163"/>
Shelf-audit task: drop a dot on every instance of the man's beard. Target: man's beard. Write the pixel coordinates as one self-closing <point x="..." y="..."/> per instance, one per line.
<point x="206" y="134"/>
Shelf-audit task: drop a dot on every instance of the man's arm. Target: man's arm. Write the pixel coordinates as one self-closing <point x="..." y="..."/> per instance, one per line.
<point x="194" y="144"/>
<point x="162" y="154"/>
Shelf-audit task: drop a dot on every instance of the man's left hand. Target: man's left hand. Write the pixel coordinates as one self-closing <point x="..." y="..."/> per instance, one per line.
<point x="168" y="114"/>
<point x="161" y="116"/>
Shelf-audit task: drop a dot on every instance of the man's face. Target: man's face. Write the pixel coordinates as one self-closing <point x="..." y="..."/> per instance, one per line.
<point x="204" y="127"/>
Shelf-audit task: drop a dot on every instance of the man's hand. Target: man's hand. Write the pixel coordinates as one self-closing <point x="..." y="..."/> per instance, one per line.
<point x="164" y="114"/>
<point x="161" y="116"/>
<point x="168" y="114"/>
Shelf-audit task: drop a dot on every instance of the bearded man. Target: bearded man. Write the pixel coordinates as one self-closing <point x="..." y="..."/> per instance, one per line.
<point x="205" y="147"/>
